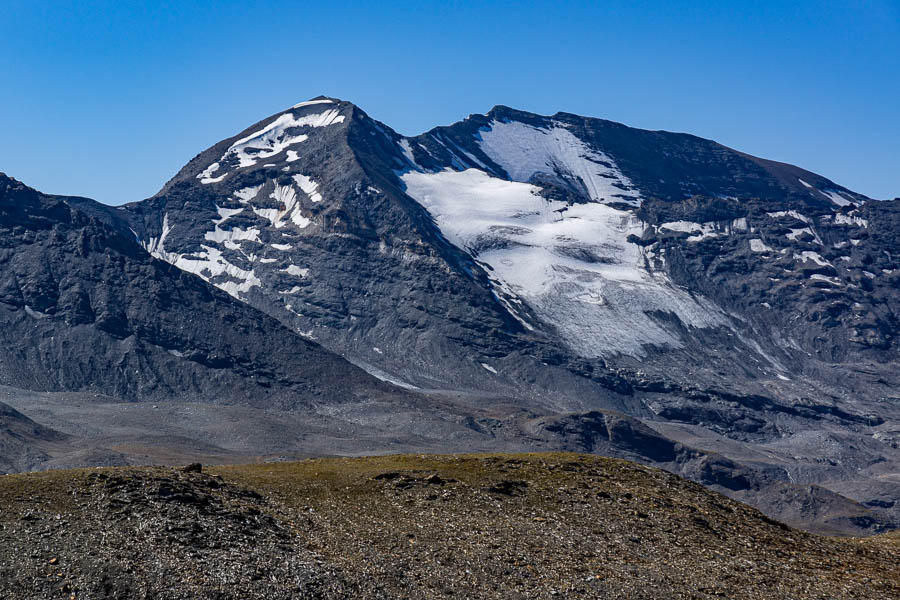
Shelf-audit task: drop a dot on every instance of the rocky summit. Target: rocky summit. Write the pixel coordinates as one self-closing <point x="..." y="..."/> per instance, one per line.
<point x="452" y="526"/>
<point x="319" y="284"/>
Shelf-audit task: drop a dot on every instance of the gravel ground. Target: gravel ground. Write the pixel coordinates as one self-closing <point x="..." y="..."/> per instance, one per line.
<point x="474" y="526"/>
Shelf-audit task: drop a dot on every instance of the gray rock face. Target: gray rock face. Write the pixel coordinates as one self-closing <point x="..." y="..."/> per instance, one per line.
<point x="23" y="442"/>
<point x="84" y="308"/>
<point x="535" y="274"/>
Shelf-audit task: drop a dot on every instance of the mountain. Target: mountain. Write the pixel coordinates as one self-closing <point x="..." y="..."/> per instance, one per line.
<point x="133" y="360"/>
<point x="87" y="309"/>
<point x="566" y="264"/>
<point x="521" y="240"/>
<point x="514" y="281"/>
<point x="127" y="358"/>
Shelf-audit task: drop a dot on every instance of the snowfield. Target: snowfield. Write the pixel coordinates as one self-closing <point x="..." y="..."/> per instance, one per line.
<point x="572" y="264"/>
<point x="525" y="152"/>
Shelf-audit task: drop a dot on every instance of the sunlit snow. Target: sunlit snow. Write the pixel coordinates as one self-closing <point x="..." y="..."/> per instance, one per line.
<point x="275" y="137"/>
<point x="825" y="278"/>
<point x="209" y="263"/>
<point x="790" y="213"/>
<point x="571" y="263"/>
<point x="309" y="187"/>
<point x="311" y="102"/>
<point x="206" y="175"/>
<point x="226" y="213"/>
<point x="525" y="151"/>
<point x="814" y="257"/>
<point x="702" y="231"/>
<point x="296" y="271"/>
<point x="837" y="197"/>
<point x="757" y="245"/>
<point x="289" y="207"/>
<point x="248" y="193"/>
<point x="850" y="219"/>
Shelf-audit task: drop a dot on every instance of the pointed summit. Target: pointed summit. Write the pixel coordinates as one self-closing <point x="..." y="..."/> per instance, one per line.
<point x="318" y="100"/>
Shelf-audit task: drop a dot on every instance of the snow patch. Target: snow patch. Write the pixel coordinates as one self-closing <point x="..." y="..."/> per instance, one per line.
<point x="209" y="264"/>
<point x="296" y="271"/>
<point x="757" y="245"/>
<point x="795" y="233"/>
<point x="212" y="266"/>
<point x="790" y="213"/>
<point x="247" y="194"/>
<point x="232" y="235"/>
<point x="702" y="231"/>
<point x="156" y="246"/>
<point x="379" y="374"/>
<point x="831" y="280"/>
<point x="407" y="152"/>
<point x="35" y="314"/>
<point x="525" y="152"/>
<point x="226" y="213"/>
<point x="814" y="257"/>
<point x="206" y="176"/>
<point x="289" y="207"/>
<point x="311" y="102"/>
<point x="837" y="197"/>
<point x="555" y="256"/>
<point x="850" y="219"/>
<point x="309" y="187"/>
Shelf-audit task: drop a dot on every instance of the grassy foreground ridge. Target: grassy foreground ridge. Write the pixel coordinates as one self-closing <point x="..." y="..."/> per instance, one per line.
<point x="414" y="526"/>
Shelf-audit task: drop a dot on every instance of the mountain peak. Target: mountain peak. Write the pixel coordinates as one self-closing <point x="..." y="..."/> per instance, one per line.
<point x="318" y="100"/>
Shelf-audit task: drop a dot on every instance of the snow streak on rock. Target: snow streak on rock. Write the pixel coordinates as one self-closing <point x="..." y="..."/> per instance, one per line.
<point x="276" y="137"/>
<point x="209" y="262"/>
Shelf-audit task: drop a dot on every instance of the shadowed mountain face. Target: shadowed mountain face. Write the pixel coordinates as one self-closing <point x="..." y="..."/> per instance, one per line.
<point x="523" y="277"/>
<point x="24" y="443"/>
<point x="85" y="308"/>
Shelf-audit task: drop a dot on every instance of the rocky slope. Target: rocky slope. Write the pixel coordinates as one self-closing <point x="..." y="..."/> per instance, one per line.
<point x="87" y="309"/>
<point x="23" y="442"/>
<point x="490" y="526"/>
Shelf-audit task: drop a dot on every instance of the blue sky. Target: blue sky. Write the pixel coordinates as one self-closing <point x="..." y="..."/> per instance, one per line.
<point x="110" y="99"/>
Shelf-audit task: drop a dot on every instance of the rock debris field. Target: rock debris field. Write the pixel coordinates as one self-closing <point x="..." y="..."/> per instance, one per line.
<point x="451" y="526"/>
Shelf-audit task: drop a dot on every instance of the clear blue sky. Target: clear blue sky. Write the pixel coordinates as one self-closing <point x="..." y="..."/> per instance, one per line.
<point x="110" y="99"/>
